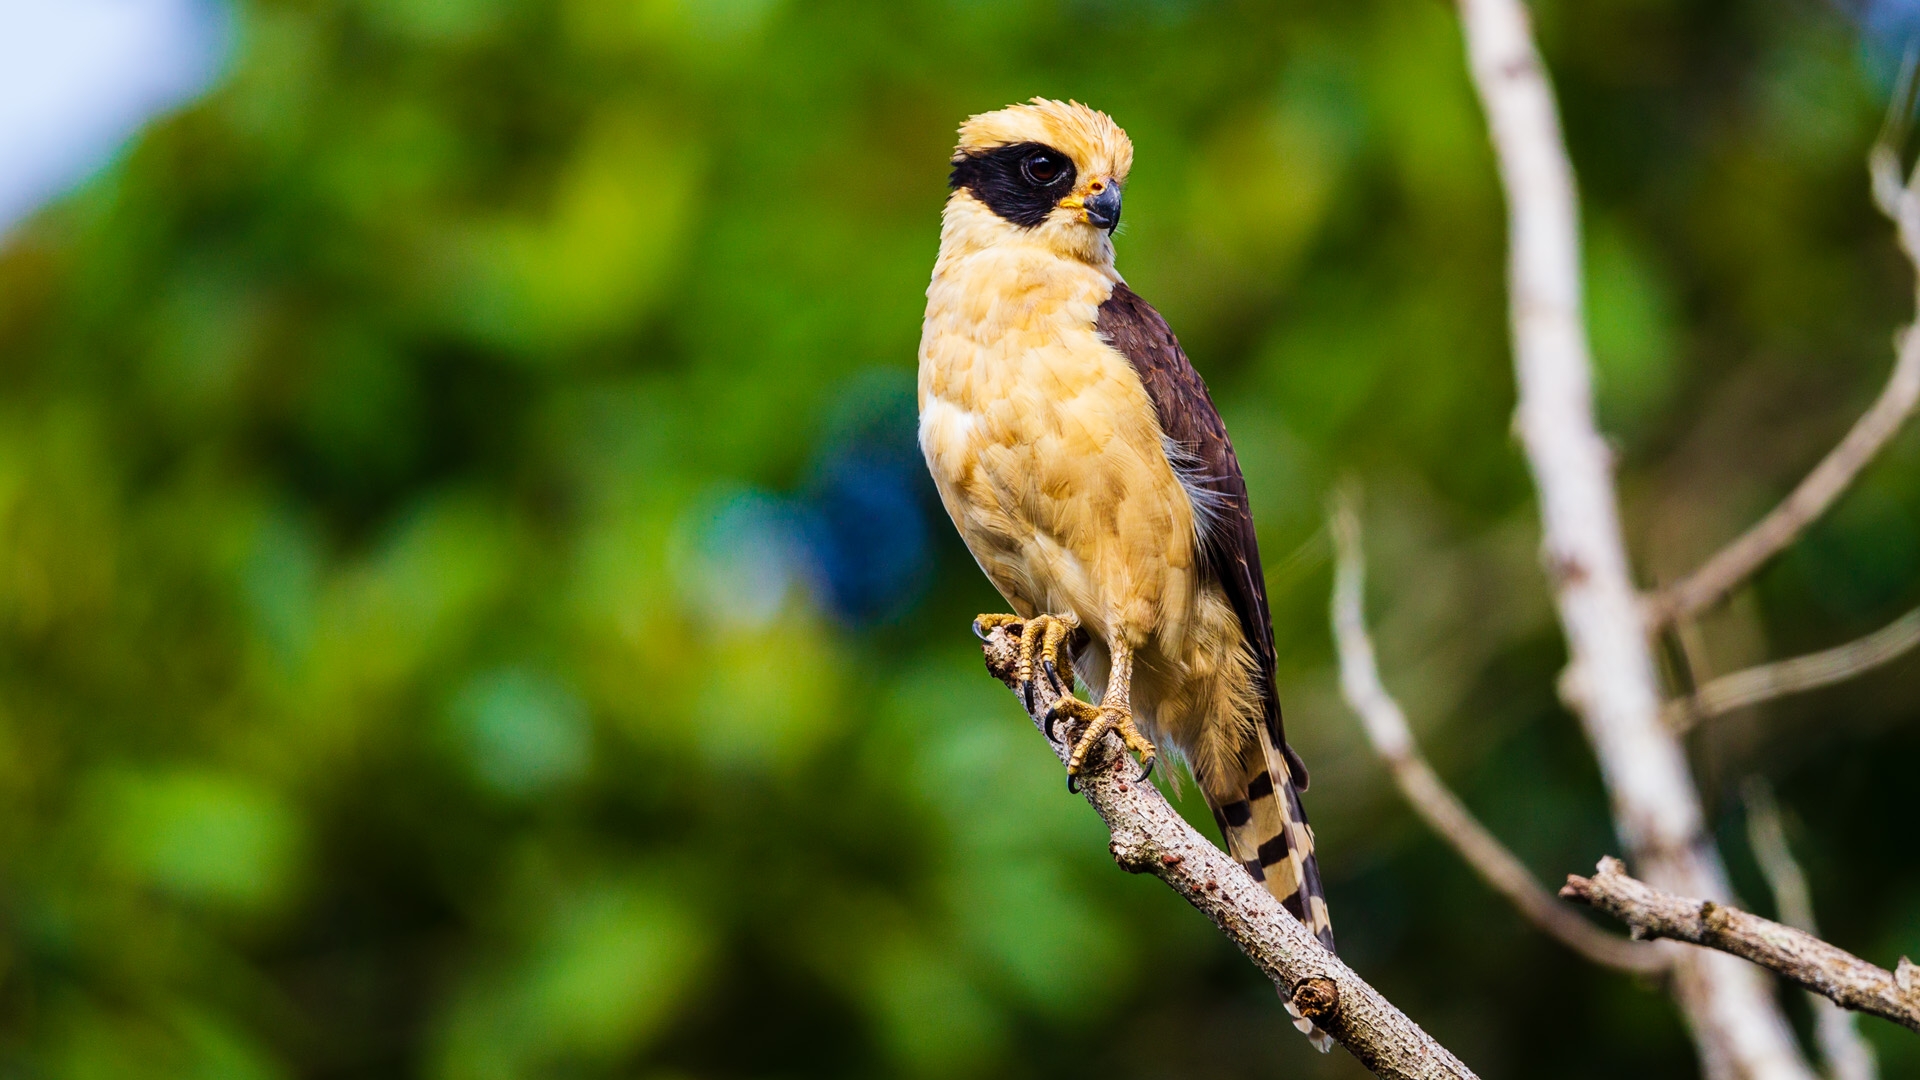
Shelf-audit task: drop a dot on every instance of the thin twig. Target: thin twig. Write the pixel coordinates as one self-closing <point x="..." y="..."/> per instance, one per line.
<point x="1386" y="727"/>
<point x="1734" y="563"/>
<point x="1795" y="955"/>
<point x="1739" y="560"/>
<point x="1610" y="683"/>
<point x="1149" y="836"/>
<point x="1848" y="1056"/>
<point x="1782" y="677"/>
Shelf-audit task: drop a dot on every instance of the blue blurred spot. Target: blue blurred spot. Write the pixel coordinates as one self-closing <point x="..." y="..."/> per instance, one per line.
<point x="1891" y="21"/>
<point x="866" y="507"/>
<point x="855" y="535"/>
<point x="78" y="77"/>
<point x="867" y="532"/>
<point x="1890" y="28"/>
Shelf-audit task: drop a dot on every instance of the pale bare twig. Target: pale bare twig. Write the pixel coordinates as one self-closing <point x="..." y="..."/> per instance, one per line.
<point x="1795" y="955"/>
<point x="1768" y="838"/>
<point x="1736" y="1024"/>
<point x="1386" y="727"/>
<point x="1801" y="673"/>
<point x="1847" y="1054"/>
<point x="1149" y="836"/>
<point x="1738" y="561"/>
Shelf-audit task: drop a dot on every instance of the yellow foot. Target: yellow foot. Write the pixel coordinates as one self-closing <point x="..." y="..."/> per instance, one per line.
<point x="1100" y="719"/>
<point x="1040" y="641"/>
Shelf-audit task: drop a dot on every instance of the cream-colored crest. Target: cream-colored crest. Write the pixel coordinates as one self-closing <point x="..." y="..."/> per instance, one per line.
<point x="1102" y="155"/>
<point x="1097" y="145"/>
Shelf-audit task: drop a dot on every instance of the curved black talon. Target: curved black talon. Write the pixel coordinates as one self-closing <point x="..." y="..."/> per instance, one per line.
<point x="1026" y="689"/>
<point x="1073" y="788"/>
<point x="1053" y="717"/>
<point x="1052" y="676"/>
<point x="1147" y="770"/>
<point x="979" y="633"/>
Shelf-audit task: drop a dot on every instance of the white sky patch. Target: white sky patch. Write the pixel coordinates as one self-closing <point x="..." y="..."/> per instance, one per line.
<point x="79" y="77"/>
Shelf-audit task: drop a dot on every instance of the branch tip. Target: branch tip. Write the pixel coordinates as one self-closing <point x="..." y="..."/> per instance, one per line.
<point x="1577" y="889"/>
<point x="1795" y="955"/>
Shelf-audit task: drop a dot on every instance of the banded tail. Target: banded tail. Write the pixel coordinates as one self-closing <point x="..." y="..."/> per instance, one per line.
<point x="1267" y="832"/>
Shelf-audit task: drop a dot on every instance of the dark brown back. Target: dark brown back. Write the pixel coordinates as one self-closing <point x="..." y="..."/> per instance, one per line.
<point x="1204" y="458"/>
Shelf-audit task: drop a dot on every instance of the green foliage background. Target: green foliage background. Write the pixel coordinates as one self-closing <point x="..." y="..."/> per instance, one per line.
<point x="403" y="671"/>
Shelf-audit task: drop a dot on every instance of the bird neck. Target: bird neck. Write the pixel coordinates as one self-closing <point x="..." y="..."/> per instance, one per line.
<point x="1014" y="291"/>
<point x="968" y="228"/>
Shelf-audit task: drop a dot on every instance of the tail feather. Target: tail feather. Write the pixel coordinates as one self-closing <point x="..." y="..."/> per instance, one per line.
<point x="1266" y="831"/>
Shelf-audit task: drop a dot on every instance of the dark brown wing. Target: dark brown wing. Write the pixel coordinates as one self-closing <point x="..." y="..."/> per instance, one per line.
<point x="1204" y="457"/>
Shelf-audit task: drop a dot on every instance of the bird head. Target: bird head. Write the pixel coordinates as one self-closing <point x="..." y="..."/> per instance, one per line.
<point x="1047" y="172"/>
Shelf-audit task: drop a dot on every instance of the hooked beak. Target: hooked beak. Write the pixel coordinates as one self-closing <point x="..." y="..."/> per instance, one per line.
<point x="1102" y="207"/>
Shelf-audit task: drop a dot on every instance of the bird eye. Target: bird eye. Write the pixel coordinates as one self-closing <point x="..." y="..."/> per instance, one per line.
<point x="1042" y="167"/>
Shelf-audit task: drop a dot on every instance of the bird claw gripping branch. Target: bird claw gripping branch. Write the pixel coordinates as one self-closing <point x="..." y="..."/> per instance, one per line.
<point x="1100" y="719"/>
<point x="1041" y="638"/>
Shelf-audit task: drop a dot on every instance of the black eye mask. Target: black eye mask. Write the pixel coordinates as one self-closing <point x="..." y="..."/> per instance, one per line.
<point x="1013" y="181"/>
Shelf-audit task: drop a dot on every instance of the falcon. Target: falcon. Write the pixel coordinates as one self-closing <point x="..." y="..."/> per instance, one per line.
<point x="1082" y="460"/>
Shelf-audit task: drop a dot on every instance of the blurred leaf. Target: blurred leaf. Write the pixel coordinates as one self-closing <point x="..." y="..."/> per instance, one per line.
<point x="596" y="259"/>
<point x="438" y="21"/>
<point x="768" y="699"/>
<point x="932" y="1020"/>
<point x="201" y="836"/>
<point x="1267" y="179"/>
<point x="1631" y="319"/>
<point x="607" y="966"/>
<point x="524" y="733"/>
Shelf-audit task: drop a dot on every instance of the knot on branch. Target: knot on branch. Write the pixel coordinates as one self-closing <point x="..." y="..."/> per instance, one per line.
<point x="1568" y="570"/>
<point x="1001" y="653"/>
<point x="1136" y="856"/>
<point x="1716" y="919"/>
<point x="1906" y="976"/>
<point x="1572" y="687"/>
<point x="1316" y="997"/>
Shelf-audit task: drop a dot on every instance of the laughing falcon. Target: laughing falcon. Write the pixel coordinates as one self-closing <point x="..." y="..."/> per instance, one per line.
<point x="1083" y="461"/>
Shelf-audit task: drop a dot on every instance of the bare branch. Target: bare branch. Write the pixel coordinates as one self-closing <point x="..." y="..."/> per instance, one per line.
<point x="1795" y="955"/>
<point x="1739" y="560"/>
<point x="1149" y="836"/>
<point x="1736" y="1023"/>
<point x="1802" y="673"/>
<point x="1848" y="1056"/>
<point x="1386" y="727"/>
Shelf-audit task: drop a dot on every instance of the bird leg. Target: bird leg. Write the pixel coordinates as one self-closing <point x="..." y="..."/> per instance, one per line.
<point x="1040" y="640"/>
<point x="1114" y="713"/>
